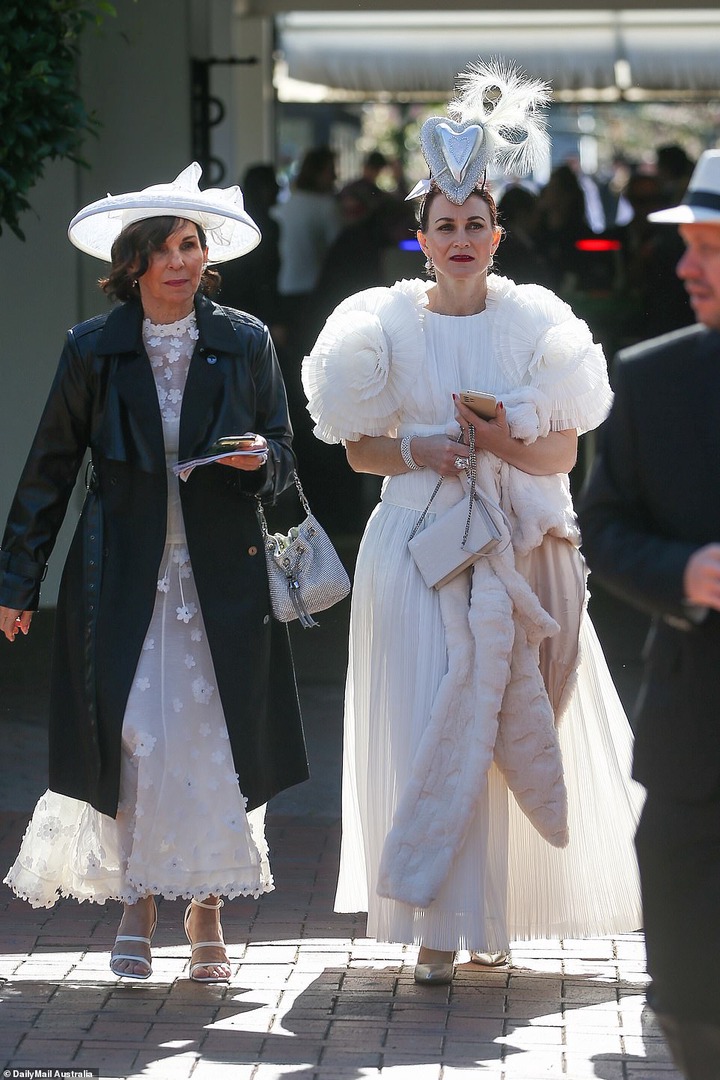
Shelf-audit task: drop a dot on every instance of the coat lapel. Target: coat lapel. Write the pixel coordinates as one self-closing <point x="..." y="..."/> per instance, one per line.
<point x="207" y="380"/>
<point x="141" y="425"/>
<point x="203" y="388"/>
<point x="132" y="430"/>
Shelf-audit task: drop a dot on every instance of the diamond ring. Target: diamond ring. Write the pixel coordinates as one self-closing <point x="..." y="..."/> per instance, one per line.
<point x="460" y="462"/>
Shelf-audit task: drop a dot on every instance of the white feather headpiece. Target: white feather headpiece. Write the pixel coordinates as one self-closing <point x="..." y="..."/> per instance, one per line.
<point x="495" y="119"/>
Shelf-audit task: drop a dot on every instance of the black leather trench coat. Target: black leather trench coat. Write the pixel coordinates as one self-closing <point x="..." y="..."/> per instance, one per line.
<point x="104" y="397"/>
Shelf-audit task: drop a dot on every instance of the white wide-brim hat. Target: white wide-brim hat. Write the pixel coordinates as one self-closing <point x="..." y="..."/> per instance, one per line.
<point x="229" y="229"/>
<point x="701" y="201"/>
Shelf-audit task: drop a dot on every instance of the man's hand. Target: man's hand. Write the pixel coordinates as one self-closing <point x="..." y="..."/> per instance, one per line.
<point x="702" y="577"/>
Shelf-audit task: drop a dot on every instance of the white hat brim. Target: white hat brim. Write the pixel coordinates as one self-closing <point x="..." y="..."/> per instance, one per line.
<point x="684" y="214"/>
<point x="229" y="229"/>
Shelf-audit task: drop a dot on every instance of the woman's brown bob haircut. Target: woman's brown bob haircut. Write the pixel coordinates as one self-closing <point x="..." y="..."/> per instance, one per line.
<point x="131" y="254"/>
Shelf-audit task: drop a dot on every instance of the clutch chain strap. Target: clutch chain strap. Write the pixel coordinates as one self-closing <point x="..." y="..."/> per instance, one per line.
<point x="472" y="471"/>
<point x="473" y="479"/>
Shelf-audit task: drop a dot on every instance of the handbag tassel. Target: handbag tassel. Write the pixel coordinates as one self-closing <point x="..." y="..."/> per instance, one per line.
<point x="304" y="617"/>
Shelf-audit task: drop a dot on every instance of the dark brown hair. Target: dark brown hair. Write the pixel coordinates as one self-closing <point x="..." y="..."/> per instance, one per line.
<point x="423" y="210"/>
<point x="131" y="252"/>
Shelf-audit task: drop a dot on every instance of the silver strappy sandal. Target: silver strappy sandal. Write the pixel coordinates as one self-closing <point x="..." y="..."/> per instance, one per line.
<point x="132" y="956"/>
<point x="194" y="945"/>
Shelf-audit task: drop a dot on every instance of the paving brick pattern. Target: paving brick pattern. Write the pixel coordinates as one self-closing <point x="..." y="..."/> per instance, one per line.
<point x="311" y="998"/>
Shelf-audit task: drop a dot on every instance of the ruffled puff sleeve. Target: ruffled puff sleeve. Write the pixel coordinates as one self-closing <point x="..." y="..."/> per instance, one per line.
<point x="363" y="365"/>
<point x="541" y="343"/>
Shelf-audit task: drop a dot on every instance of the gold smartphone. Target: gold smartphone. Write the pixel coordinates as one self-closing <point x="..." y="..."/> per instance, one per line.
<point x="483" y="405"/>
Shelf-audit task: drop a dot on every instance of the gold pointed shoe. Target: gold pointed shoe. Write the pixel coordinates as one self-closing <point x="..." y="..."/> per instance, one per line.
<point x="435" y="974"/>
<point x="490" y="959"/>
<point x="435" y="971"/>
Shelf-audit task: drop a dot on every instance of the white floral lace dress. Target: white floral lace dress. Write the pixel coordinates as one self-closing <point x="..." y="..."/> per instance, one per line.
<point x="182" y="828"/>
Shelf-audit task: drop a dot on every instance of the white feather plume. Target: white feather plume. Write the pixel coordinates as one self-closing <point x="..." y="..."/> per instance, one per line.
<point x="508" y="104"/>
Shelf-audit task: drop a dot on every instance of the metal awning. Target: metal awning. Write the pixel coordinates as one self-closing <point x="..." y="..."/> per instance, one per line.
<point x="415" y="55"/>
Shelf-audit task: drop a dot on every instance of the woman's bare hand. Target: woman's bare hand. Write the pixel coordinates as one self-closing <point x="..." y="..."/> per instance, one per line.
<point x="439" y="453"/>
<point x="14" y="621"/>
<point x="489" y="434"/>
<point x="249" y="462"/>
<point x="550" y="454"/>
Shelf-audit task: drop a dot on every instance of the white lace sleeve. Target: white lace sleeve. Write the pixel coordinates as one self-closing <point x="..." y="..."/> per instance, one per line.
<point x="363" y="365"/>
<point x="541" y="343"/>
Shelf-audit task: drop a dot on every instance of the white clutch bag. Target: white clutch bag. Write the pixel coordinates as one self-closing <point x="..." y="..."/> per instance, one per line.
<point x="445" y="548"/>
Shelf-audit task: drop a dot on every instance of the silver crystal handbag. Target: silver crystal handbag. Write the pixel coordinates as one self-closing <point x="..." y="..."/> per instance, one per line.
<point x="458" y="537"/>
<point x="305" y="574"/>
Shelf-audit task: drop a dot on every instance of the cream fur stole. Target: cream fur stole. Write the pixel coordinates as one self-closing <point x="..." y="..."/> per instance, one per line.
<point x="491" y="703"/>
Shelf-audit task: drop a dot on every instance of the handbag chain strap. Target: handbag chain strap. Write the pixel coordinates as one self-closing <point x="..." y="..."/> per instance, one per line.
<point x="472" y="470"/>
<point x="261" y="512"/>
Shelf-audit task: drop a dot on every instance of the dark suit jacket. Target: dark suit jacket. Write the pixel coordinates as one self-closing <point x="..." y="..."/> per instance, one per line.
<point x="651" y="500"/>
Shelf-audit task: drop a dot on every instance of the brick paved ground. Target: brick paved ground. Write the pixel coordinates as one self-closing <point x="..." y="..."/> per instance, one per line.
<point x="310" y="998"/>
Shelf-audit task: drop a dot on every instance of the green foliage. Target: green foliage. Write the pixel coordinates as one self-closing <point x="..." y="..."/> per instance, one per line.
<point x="41" y="114"/>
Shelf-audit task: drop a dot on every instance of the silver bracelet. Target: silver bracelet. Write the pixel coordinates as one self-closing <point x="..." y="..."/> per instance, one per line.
<point x="406" y="455"/>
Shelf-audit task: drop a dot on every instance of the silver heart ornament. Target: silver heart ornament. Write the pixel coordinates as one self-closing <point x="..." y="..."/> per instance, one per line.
<point x="459" y="147"/>
<point x="455" y="155"/>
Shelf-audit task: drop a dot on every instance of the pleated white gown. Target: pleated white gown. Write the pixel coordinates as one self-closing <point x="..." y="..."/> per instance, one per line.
<point x="506" y="883"/>
<point x="182" y="829"/>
